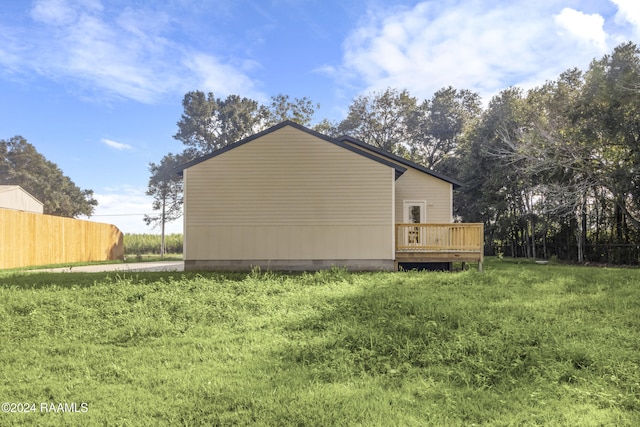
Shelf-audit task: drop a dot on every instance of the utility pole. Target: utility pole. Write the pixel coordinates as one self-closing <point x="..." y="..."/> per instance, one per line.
<point x="164" y="201"/>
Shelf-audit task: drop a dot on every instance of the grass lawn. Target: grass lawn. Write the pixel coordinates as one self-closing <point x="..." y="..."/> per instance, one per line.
<point x="521" y="344"/>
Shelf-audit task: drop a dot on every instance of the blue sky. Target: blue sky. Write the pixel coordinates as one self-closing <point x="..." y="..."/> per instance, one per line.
<point x="96" y="85"/>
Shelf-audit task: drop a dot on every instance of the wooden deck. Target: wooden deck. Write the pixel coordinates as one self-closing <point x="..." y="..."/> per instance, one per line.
<point x="440" y="243"/>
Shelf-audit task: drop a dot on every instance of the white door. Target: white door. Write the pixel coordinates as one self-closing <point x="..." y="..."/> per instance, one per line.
<point x="415" y="212"/>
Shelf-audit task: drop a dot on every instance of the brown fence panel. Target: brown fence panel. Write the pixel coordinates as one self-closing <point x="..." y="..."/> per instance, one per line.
<point x="35" y="239"/>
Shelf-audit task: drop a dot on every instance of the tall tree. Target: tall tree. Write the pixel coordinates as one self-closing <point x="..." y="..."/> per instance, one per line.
<point x="327" y="127"/>
<point x="611" y="119"/>
<point x="166" y="188"/>
<point x="584" y="140"/>
<point x="381" y="119"/>
<point x="548" y="151"/>
<point x="300" y="110"/>
<point x="21" y="164"/>
<point x="209" y="123"/>
<point x="572" y="154"/>
<point x="495" y="188"/>
<point x="440" y="122"/>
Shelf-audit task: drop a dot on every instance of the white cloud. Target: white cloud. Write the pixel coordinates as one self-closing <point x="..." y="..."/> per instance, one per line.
<point x="470" y="45"/>
<point x="628" y="12"/>
<point x="220" y="78"/>
<point x="114" y="54"/>
<point x="587" y="28"/>
<point x="10" y="57"/>
<point x="116" y="145"/>
<point x="54" y="12"/>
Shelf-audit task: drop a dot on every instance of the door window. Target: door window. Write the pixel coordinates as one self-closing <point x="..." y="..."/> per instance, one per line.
<point x="414" y="213"/>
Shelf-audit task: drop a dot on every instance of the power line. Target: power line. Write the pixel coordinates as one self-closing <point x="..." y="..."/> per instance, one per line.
<point x="129" y="214"/>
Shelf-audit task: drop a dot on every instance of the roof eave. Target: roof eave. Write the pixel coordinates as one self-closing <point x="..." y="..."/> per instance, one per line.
<point x="399" y="169"/>
<point x="456" y="184"/>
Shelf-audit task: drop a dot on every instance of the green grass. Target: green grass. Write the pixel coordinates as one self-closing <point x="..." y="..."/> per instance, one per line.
<point x="521" y="344"/>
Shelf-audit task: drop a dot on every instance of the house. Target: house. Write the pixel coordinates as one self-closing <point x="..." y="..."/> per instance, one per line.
<point x="16" y="198"/>
<point x="290" y="198"/>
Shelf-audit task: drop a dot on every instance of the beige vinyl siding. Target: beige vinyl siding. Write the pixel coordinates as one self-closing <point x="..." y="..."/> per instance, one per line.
<point x="16" y="198"/>
<point x="288" y="242"/>
<point x="288" y="195"/>
<point x="415" y="185"/>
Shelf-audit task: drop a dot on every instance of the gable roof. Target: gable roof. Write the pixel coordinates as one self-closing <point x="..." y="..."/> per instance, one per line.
<point x="18" y="188"/>
<point x="401" y="160"/>
<point x="399" y="170"/>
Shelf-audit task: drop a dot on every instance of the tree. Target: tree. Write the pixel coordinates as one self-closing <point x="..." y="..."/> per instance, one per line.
<point x="165" y="185"/>
<point x="495" y="191"/>
<point x="440" y="122"/>
<point x="567" y="160"/>
<point x="428" y="132"/>
<point x="611" y="119"/>
<point x="21" y="164"/>
<point x="381" y="119"/>
<point x="300" y="110"/>
<point x="327" y="127"/>
<point x="583" y="139"/>
<point x="209" y="123"/>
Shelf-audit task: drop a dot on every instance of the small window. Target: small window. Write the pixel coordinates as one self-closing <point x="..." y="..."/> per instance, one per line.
<point x="414" y="214"/>
<point x="415" y="211"/>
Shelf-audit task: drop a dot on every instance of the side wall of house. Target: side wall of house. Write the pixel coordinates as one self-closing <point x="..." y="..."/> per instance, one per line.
<point x="415" y="185"/>
<point x="289" y="200"/>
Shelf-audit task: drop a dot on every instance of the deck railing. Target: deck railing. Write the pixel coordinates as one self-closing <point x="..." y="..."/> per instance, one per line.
<point x="439" y="237"/>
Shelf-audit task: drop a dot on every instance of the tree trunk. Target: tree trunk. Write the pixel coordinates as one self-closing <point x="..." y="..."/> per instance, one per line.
<point x="581" y="219"/>
<point x="533" y="237"/>
<point x="583" y="227"/>
<point x="545" y="255"/>
<point x="579" y="243"/>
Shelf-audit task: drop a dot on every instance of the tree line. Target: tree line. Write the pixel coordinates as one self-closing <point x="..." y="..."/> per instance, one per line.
<point x="551" y="172"/>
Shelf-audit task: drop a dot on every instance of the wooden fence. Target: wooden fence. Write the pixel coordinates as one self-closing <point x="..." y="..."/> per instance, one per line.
<point x="34" y="239"/>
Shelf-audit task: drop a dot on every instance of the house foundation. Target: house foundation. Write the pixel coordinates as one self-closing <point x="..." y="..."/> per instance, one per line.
<point x="290" y="265"/>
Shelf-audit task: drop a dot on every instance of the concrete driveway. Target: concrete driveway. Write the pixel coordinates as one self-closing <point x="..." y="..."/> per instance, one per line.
<point x="133" y="266"/>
